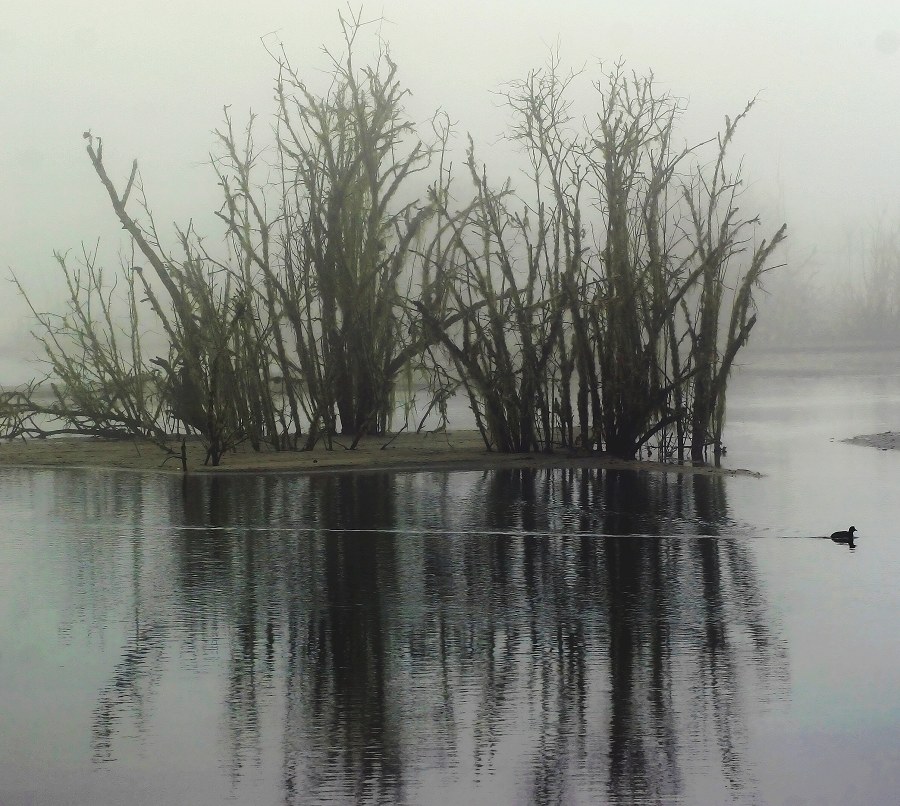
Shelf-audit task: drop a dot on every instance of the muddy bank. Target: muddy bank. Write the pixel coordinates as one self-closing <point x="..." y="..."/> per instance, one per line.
<point x="885" y="441"/>
<point x="456" y="450"/>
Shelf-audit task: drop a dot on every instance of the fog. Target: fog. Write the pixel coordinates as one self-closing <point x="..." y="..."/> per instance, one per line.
<point x="151" y="79"/>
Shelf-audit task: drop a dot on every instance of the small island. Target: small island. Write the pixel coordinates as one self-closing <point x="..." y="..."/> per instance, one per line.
<point x="589" y="310"/>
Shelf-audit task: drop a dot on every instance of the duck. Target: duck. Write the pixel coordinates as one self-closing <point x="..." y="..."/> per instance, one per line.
<point x="844" y="537"/>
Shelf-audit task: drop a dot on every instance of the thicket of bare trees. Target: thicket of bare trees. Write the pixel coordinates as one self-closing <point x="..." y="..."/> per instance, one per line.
<point x="600" y="306"/>
<point x="871" y="304"/>
<point x="606" y="308"/>
<point x="842" y="298"/>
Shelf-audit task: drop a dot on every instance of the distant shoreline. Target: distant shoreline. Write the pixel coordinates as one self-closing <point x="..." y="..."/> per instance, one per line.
<point x="440" y="451"/>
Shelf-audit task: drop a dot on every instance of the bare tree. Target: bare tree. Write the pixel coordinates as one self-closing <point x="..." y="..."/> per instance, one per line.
<point x="719" y="235"/>
<point x="99" y="381"/>
<point x="339" y="256"/>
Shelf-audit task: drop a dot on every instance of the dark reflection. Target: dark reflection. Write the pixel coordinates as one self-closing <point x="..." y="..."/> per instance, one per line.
<point x="449" y="632"/>
<point x="122" y="703"/>
<point x="339" y="650"/>
<point x="710" y="502"/>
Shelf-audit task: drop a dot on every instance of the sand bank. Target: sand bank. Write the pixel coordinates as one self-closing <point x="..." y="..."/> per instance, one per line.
<point x="885" y="441"/>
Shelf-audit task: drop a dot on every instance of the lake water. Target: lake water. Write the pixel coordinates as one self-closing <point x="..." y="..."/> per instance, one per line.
<point x="502" y="637"/>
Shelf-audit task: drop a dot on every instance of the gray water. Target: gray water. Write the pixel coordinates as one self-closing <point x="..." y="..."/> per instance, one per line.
<point x="499" y="637"/>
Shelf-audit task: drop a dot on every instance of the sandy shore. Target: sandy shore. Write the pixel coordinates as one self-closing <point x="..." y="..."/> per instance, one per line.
<point x="885" y="441"/>
<point x="457" y="450"/>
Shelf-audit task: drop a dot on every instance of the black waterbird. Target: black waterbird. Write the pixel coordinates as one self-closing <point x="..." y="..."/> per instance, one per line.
<point x="844" y="537"/>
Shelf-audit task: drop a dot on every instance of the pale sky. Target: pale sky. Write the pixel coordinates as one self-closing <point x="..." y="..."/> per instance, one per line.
<point x="151" y="78"/>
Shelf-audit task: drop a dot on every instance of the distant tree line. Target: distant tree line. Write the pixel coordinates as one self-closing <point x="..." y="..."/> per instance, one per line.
<point x="846" y="298"/>
<point x="600" y="306"/>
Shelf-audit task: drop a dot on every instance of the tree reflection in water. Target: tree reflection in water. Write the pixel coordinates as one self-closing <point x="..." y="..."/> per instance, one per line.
<point x="503" y="632"/>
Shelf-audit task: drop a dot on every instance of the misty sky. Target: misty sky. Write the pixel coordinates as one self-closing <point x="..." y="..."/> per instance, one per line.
<point x="152" y="77"/>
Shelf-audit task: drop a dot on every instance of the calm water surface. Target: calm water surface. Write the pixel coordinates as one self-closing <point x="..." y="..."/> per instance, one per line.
<point x="503" y="637"/>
